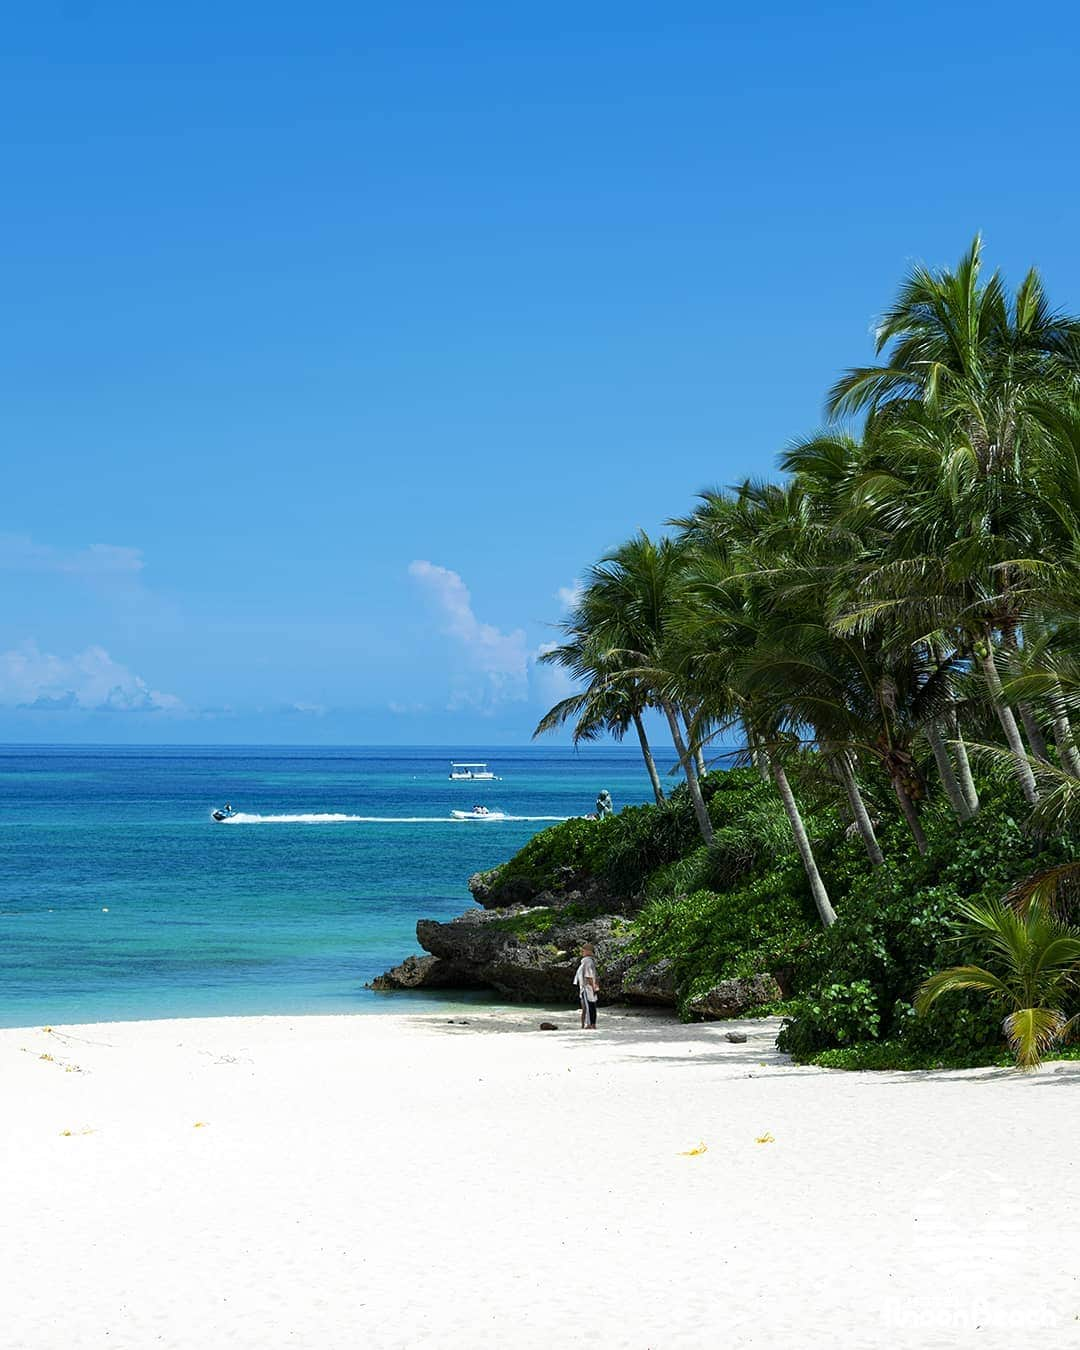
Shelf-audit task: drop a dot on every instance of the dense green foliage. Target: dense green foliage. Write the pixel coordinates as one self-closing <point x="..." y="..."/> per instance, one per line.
<point x="712" y="935"/>
<point x="742" y="906"/>
<point x="555" y="855"/>
<point x="896" y="925"/>
<point x="625" y="850"/>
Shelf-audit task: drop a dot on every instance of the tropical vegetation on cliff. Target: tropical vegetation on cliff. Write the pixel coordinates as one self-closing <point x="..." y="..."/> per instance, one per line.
<point x="892" y="635"/>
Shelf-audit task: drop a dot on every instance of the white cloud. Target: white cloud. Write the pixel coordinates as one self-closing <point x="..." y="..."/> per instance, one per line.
<point x="500" y="659"/>
<point x="19" y="553"/>
<point x="89" y="681"/>
<point x="568" y="596"/>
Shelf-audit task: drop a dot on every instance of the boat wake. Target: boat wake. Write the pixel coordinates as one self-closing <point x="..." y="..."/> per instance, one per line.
<point x="338" y="818"/>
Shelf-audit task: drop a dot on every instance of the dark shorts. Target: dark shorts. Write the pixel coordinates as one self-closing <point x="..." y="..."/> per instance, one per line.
<point x="588" y="1007"/>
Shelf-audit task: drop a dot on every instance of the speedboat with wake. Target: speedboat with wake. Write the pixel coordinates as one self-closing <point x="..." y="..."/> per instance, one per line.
<point x="225" y="812"/>
<point x="479" y="813"/>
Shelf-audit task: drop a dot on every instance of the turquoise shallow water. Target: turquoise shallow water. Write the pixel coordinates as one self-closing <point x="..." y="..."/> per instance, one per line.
<point x="255" y="916"/>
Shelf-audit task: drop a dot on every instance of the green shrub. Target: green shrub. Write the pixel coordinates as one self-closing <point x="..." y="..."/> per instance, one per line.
<point x="644" y="838"/>
<point x="714" y="935"/>
<point x="626" y="850"/>
<point x="578" y="846"/>
<point x="896" y="925"/>
<point x="676" y="880"/>
<point x="896" y="1054"/>
<point x="542" y="919"/>
<point x="836" y="1013"/>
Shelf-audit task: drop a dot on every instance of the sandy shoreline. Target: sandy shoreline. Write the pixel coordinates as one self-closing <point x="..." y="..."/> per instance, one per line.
<point x="404" y="1180"/>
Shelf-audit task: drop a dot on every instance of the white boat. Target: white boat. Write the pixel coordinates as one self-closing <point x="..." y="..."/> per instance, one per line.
<point x="479" y="813"/>
<point x="470" y="771"/>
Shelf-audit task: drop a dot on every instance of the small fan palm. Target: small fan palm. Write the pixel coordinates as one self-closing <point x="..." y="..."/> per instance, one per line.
<point x="1035" y="960"/>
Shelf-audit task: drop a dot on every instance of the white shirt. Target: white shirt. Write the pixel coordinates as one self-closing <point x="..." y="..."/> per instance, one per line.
<point x="585" y="978"/>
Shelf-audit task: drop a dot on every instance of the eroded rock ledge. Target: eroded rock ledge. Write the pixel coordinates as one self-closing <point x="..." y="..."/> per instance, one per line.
<point x="525" y="943"/>
<point x="529" y="952"/>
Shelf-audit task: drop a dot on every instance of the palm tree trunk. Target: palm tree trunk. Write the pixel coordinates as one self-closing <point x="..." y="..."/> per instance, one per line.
<point x="1010" y="645"/>
<point x="907" y="806"/>
<point x="686" y="759"/>
<point x="1008" y="725"/>
<point x="699" y="758"/>
<point x="758" y="754"/>
<point x="863" y="823"/>
<point x="947" y="773"/>
<point x="1036" y="739"/>
<point x="647" y="756"/>
<point x="802" y="842"/>
<point x="963" y="766"/>
<point x="964" y="776"/>
<point x="1063" y="732"/>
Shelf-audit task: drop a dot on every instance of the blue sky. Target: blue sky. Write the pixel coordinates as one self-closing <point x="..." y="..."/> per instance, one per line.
<point x="340" y="339"/>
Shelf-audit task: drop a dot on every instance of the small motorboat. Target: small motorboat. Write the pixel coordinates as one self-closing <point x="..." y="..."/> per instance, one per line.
<point x="479" y="813"/>
<point x="225" y="812"/>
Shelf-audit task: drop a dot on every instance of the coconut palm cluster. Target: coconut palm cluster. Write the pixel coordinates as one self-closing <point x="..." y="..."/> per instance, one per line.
<point x="904" y="603"/>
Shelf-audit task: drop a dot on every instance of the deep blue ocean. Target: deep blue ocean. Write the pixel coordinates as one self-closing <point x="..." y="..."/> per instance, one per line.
<point x="120" y="898"/>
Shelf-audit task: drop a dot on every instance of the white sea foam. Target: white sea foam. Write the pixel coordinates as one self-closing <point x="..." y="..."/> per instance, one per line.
<point x="339" y="818"/>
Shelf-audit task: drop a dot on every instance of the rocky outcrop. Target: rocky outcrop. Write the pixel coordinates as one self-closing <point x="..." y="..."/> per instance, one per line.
<point x="529" y="953"/>
<point x="488" y="891"/>
<point x="651" y="984"/>
<point x="731" y="998"/>
<point x="425" y="972"/>
<point x="526" y="942"/>
<point x="567" y="887"/>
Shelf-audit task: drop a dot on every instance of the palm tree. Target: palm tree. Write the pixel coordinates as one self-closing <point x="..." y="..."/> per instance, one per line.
<point x="967" y="352"/>
<point x="855" y="697"/>
<point x="846" y="692"/>
<point x="627" y="608"/>
<point x="977" y="369"/>
<point x="1034" y="960"/>
<point x="850" y="479"/>
<point x="1049" y="672"/>
<point x="722" y="621"/>
<point x="952" y="572"/>
<point x="611" y="702"/>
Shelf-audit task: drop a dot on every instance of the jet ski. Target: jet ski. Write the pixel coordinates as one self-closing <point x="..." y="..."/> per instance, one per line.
<point x="223" y="813"/>
<point x="479" y="813"/>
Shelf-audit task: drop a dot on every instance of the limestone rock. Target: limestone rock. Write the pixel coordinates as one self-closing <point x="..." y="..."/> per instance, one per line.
<point x="730" y="998"/>
<point x="528" y="960"/>
<point x="651" y="984"/>
<point x="488" y="891"/>
<point x="425" y="972"/>
<point x="568" y="886"/>
<point x="526" y="943"/>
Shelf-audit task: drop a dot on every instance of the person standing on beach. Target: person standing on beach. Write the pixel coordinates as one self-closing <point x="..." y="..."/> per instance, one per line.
<point x="588" y="986"/>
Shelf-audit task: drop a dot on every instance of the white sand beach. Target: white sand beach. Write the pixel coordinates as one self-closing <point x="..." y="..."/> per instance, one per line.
<point x="393" y="1180"/>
